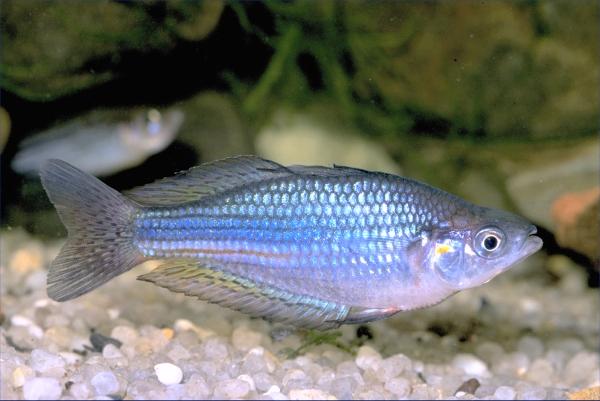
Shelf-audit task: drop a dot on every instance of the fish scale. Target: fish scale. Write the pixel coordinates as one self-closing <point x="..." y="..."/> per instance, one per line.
<point x="307" y="245"/>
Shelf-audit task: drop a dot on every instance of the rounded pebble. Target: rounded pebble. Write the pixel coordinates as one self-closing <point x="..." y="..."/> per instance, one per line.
<point x="80" y="391"/>
<point x="368" y="358"/>
<point x="395" y="365"/>
<point x="531" y="346"/>
<point x="248" y="379"/>
<point x="111" y="351"/>
<point x="536" y="393"/>
<point x="42" y="388"/>
<point x="42" y="361"/>
<point x="310" y="394"/>
<point x="233" y="388"/>
<point x="105" y="383"/>
<point x="505" y="393"/>
<point x="124" y="334"/>
<point x="168" y="373"/>
<point x="398" y="386"/>
<point x="470" y="364"/>
<point x="20" y="375"/>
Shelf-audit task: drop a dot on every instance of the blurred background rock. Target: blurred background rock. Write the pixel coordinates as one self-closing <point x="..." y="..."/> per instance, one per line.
<point x="495" y="101"/>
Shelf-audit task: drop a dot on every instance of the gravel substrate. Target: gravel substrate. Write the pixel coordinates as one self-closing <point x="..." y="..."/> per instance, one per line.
<point x="532" y="333"/>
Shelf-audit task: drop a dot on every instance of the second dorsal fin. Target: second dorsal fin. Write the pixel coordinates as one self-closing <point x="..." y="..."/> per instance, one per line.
<point x="206" y="179"/>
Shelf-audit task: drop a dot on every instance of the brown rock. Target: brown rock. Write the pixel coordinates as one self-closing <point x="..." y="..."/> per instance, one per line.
<point x="576" y="216"/>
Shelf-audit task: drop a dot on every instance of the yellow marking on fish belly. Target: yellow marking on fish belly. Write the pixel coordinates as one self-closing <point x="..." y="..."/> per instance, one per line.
<point x="441" y="249"/>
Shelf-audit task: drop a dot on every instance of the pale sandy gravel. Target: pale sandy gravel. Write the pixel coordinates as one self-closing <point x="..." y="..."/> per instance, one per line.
<point x="522" y="335"/>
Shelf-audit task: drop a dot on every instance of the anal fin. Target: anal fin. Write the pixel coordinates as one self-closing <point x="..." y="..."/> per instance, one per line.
<point x="194" y="278"/>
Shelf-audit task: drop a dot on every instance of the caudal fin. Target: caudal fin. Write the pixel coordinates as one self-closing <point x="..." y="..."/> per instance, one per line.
<point x="99" y="221"/>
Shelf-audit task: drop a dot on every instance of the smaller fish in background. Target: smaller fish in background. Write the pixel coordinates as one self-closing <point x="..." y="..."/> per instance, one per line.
<point x="101" y="143"/>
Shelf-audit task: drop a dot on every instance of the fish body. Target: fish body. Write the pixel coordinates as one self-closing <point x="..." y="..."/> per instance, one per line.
<point x="101" y="143"/>
<point x="311" y="246"/>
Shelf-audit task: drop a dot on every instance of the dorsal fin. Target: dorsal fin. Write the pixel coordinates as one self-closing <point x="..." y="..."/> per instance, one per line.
<point x="206" y="179"/>
<point x="255" y="299"/>
<point x="324" y="171"/>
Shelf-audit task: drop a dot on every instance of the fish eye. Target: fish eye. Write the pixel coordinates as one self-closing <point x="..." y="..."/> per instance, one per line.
<point x="488" y="240"/>
<point x="491" y="242"/>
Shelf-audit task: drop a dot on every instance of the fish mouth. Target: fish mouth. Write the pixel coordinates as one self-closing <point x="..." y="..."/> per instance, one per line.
<point x="531" y="245"/>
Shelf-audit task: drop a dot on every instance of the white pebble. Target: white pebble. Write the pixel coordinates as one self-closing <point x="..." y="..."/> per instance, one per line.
<point x="175" y="392"/>
<point x="541" y="372"/>
<point x="368" y="358"/>
<point x="105" y="383"/>
<point x="21" y="374"/>
<point x="531" y="346"/>
<point x="113" y="313"/>
<point x="395" y="365"/>
<point x="582" y="365"/>
<point x="183" y="325"/>
<point x="35" y="331"/>
<point x="42" y="388"/>
<point x="274" y="393"/>
<point x="505" y="393"/>
<point x="168" y="373"/>
<point x="215" y="349"/>
<point x="534" y="393"/>
<point x="197" y="387"/>
<point x="272" y="389"/>
<point x="254" y="363"/>
<point x="36" y="280"/>
<point x="125" y="334"/>
<point x="111" y="351"/>
<point x="249" y="380"/>
<point x="41" y="303"/>
<point x="263" y="381"/>
<point x="231" y="389"/>
<point x="178" y="352"/>
<point x="43" y="361"/>
<point x="80" y="391"/>
<point x="294" y="375"/>
<point x="530" y="305"/>
<point x="342" y="387"/>
<point x="20" y="320"/>
<point x="470" y="364"/>
<point x="310" y="394"/>
<point x="398" y="386"/>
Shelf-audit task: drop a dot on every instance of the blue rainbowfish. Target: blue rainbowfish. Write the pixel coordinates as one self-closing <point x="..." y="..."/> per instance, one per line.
<point x="102" y="142"/>
<point x="310" y="246"/>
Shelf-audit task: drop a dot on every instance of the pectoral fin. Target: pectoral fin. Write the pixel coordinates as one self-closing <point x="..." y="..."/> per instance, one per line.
<point x="365" y="315"/>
